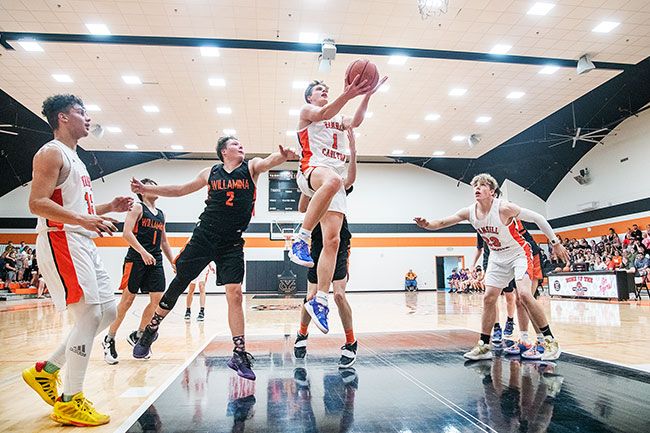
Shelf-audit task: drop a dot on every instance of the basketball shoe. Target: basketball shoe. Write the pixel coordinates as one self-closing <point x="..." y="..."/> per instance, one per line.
<point x="110" y="353"/>
<point x="480" y="351"/>
<point x="241" y="362"/>
<point x="516" y="347"/>
<point x="299" y="253"/>
<point x="300" y="346"/>
<point x="44" y="383"/>
<point x="552" y="349"/>
<point x="508" y="330"/>
<point x="318" y="313"/>
<point x="348" y="355"/>
<point x="142" y="349"/>
<point x="78" y="412"/>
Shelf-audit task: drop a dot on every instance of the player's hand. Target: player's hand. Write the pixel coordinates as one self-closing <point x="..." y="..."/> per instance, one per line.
<point x="379" y="84"/>
<point x="121" y="204"/>
<point x="356" y="87"/>
<point x="287" y="153"/>
<point x="137" y="187"/>
<point x="561" y="253"/>
<point x="98" y="224"/>
<point x="421" y="222"/>
<point x="351" y="140"/>
<point x="147" y="258"/>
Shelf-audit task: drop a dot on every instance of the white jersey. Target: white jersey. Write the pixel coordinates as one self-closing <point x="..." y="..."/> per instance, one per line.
<point x="324" y="144"/>
<point x="75" y="193"/>
<point x="504" y="241"/>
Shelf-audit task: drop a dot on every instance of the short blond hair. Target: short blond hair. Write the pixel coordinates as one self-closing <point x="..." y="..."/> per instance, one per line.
<point x="485" y="179"/>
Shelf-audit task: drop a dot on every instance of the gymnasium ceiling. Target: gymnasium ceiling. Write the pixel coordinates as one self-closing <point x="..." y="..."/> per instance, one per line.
<point x="260" y="57"/>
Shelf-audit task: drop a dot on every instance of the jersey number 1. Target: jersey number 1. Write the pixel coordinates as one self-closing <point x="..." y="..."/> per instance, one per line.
<point x="89" y="201"/>
<point x="231" y="197"/>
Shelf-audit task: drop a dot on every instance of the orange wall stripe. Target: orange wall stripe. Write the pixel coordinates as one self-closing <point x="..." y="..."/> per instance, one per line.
<point x="602" y="229"/>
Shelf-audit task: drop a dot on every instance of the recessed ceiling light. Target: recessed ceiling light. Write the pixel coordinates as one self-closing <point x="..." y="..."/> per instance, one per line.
<point x="548" y="70"/>
<point x="291" y="133"/>
<point x="457" y="92"/>
<point x="229" y="131"/>
<point x="114" y="129"/>
<point x="224" y="110"/>
<point x="605" y="27"/>
<point x="500" y="49"/>
<point x="30" y="46"/>
<point x="165" y="130"/>
<point x="217" y="82"/>
<point x="92" y="107"/>
<point x="98" y="29"/>
<point x="540" y="8"/>
<point x="150" y="108"/>
<point x="458" y="138"/>
<point x="176" y="147"/>
<point x="397" y="60"/>
<point x="131" y="79"/>
<point x="210" y="51"/>
<point x="483" y="119"/>
<point x="438" y="153"/>
<point x="368" y="114"/>
<point x="62" y="78"/>
<point x="515" y="95"/>
<point x="131" y="146"/>
<point x="432" y="116"/>
<point x="308" y="38"/>
<point x="384" y="88"/>
<point x="397" y="152"/>
<point x="300" y="84"/>
<point x="294" y="112"/>
<point x="413" y="136"/>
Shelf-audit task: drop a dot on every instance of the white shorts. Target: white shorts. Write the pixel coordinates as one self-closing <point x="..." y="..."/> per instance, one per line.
<point x="339" y="202"/>
<point x="500" y="271"/>
<point x="72" y="269"/>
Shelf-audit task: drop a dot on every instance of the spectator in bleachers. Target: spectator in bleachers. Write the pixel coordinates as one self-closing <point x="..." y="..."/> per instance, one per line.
<point x="646" y="240"/>
<point x="10" y="266"/>
<point x="636" y="233"/>
<point x="642" y="263"/>
<point x="613" y="237"/>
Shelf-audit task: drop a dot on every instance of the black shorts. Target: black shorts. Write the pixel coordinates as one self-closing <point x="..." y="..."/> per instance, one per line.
<point x="136" y="276"/>
<point x="203" y="248"/>
<point x="511" y="287"/>
<point x="342" y="262"/>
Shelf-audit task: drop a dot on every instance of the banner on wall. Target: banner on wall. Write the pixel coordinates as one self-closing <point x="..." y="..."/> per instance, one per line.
<point x="584" y="286"/>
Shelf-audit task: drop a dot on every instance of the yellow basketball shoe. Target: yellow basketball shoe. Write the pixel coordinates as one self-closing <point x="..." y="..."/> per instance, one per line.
<point x="78" y="412"/>
<point x="44" y="383"/>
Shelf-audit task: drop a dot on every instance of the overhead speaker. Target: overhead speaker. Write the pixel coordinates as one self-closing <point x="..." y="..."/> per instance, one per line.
<point x="473" y="140"/>
<point x="97" y="130"/>
<point x="585" y="65"/>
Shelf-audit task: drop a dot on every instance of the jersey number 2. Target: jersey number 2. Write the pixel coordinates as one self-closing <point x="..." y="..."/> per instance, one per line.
<point x="231" y="197"/>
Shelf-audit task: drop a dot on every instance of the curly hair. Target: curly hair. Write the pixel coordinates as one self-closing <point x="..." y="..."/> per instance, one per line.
<point x="56" y="104"/>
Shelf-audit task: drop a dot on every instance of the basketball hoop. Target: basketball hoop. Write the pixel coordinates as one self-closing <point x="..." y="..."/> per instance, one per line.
<point x="429" y="8"/>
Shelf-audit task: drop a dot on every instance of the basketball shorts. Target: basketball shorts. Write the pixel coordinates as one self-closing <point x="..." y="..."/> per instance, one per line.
<point x="136" y="276"/>
<point x="501" y="271"/>
<point x="204" y="247"/>
<point x="72" y="269"/>
<point x="339" y="201"/>
<point x="342" y="262"/>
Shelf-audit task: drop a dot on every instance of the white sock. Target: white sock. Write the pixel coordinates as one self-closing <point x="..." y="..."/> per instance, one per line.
<point x="524" y="336"/>
<point x="540" y="337"/>
<point x="321" y="298"/>
<point x="304" y="234"/>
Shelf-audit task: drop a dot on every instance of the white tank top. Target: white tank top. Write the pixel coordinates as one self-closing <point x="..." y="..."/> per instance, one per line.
<point x="502" y="240"/>
<point x="75" y="193"/>
<point x="324" y="144"/>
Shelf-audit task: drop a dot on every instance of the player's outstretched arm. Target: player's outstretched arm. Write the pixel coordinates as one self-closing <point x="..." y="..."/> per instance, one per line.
<point x="167" y="249"/>
<point x="360" y="114"/>
<point x="313" y="113"/>
<point x="47" y="165"/>
<point x="449" y="221"/>
<point x="259" y="165"/>
<point x="352" y="167"/>
<point x="118" y="204"/>
<point x="514" y="211"/>
<point x="194" y="185"/>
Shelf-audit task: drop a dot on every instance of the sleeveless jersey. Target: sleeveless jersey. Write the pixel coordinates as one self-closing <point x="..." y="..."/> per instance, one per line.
<point x="74" y="194"/>
<point x="503" y="241"/>
<point x="323" y="144"/>
<point x="148" y="231"/>
<point x="231" y="200"/>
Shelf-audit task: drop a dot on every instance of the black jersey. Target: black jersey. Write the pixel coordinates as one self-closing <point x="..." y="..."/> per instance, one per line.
<point x="230" y="203"/>
<point x="148" y="231"/>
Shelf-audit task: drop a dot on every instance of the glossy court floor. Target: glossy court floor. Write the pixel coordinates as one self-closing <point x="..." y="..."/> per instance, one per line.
<point x="410" y="375"/>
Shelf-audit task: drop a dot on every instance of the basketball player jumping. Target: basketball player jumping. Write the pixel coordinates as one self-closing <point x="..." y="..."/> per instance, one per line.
<point x="322" y="141"/>
<point x="340" y="277"/>
<point x="144" y="230"/>
<point x="510" y="256"/>
<point x="217" y="238"/>
<point x="62" y="198"/>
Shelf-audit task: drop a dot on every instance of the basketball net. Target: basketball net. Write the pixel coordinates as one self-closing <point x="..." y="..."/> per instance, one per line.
<point x="288" y="240"/>
<point x="429" y="8"/>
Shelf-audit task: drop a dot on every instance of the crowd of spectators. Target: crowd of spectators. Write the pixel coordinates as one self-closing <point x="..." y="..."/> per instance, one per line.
<point x="630" y="252"/>
<point x="18" y="265"/>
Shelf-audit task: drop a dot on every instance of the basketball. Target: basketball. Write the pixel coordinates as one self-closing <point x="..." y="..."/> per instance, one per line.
<point x="366" y="69"/>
